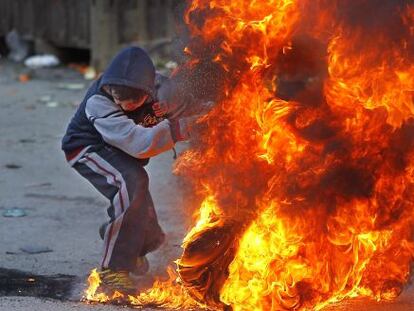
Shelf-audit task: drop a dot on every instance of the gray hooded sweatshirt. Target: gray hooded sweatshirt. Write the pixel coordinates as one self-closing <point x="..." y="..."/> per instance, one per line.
<point x="99" y="120"/>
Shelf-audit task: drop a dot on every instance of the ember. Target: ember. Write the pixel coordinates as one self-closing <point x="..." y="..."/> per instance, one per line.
<point x="305" y="166"/>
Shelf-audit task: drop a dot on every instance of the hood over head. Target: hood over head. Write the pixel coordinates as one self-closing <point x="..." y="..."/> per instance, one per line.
<point x="131" y="67"/>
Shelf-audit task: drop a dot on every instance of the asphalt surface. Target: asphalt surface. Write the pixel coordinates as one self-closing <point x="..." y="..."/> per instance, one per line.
<point x="63" y="212"/>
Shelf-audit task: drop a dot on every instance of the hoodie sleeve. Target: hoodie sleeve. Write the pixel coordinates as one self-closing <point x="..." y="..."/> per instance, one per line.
<point x="120" y="131"/>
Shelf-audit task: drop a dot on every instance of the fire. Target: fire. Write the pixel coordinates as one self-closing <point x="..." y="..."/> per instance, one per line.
<point x="169" y="293"/>
<point x="91" y="294"/>
<point x="305" y="166"/>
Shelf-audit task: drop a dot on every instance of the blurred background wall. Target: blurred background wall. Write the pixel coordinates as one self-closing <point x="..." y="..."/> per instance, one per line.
<point x="92" y="30"/>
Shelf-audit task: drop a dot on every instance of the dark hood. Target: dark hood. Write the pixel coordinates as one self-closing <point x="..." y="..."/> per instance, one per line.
<point x="131" y="67"/>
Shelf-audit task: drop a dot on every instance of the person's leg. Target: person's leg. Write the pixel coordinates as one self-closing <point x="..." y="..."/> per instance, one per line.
<point x="100" y="183"/>
<point x="154" y="236"/>
<point x="134" y="230"/>
<point x="133" y="224"/>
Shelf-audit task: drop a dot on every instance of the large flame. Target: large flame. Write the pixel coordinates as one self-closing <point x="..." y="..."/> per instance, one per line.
<point x="305" y="166"/>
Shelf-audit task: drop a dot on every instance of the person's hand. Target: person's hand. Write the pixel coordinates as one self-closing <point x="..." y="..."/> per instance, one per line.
<point x="181" y="128"/>
<point x="160" y="108"/>
<point x="168" y="109"/>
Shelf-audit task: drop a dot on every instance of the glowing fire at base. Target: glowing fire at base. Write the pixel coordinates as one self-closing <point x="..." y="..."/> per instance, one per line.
<point x="306" y="163"/>
<point x="169" y="294"/>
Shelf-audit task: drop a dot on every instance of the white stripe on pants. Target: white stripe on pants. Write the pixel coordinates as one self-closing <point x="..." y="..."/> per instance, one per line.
<point x="120" y="201"/>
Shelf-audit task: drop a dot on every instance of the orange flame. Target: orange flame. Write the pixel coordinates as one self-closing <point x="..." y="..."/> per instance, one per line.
<point x="91" y="293"/>
<point x="305" y="165"/>
<point x="167" y="293"/>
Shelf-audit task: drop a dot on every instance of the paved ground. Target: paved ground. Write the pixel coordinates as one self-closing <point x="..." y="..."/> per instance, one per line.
<point x="63" y="211"/>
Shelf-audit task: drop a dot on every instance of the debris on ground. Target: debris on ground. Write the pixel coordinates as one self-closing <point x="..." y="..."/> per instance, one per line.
<point x="14" y="212"/>
<point x="18" y="283"/>
<point x="81" y="68"/>
<point x="34" y="249"/>
<point x="88" y="72"/>
<point x="48" y="101"/>
<point x="71" y="86"/>
<point x="42" y="61"/>
<point x="27" y="141"/>
<point x="45" y="98"/>
<point x="52" y="104"/>
<point x="24" y="77"/>
<point x="12" y="166"/>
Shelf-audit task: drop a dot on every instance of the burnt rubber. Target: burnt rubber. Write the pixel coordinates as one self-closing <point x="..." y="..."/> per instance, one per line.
<point x="19" y="283"/>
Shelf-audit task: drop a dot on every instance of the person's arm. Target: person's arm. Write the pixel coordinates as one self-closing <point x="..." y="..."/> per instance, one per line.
<point x="120" y="131"/>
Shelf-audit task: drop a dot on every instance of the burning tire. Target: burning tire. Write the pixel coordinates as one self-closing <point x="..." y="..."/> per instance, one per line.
<point x="205" y="260"/>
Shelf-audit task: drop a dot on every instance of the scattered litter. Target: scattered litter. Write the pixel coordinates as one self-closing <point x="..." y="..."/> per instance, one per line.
<point x="33" y="249"/>
<point x="42" y="61"/>
<point x="11" y="253"/>
<point x="71" y="86"/>
<point x="19" y="48"/>
<point x="52" y="104"/>
<point x="90" y="73"/>
<point x="24" y="77"/>
<point x="12" y="166"/>
<point x="14" y="212"/>
<point x="45" y="98"/>
<point x="81" y="68"/>
<point x="27" y="140"/>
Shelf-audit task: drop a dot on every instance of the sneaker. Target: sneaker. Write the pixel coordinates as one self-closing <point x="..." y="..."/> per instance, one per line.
<point x="120" y="281"/>
<point x="141" y="267"/>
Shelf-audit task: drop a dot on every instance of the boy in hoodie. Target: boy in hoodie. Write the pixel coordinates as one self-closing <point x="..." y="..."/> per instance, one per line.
<point x="118" y="126"/>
